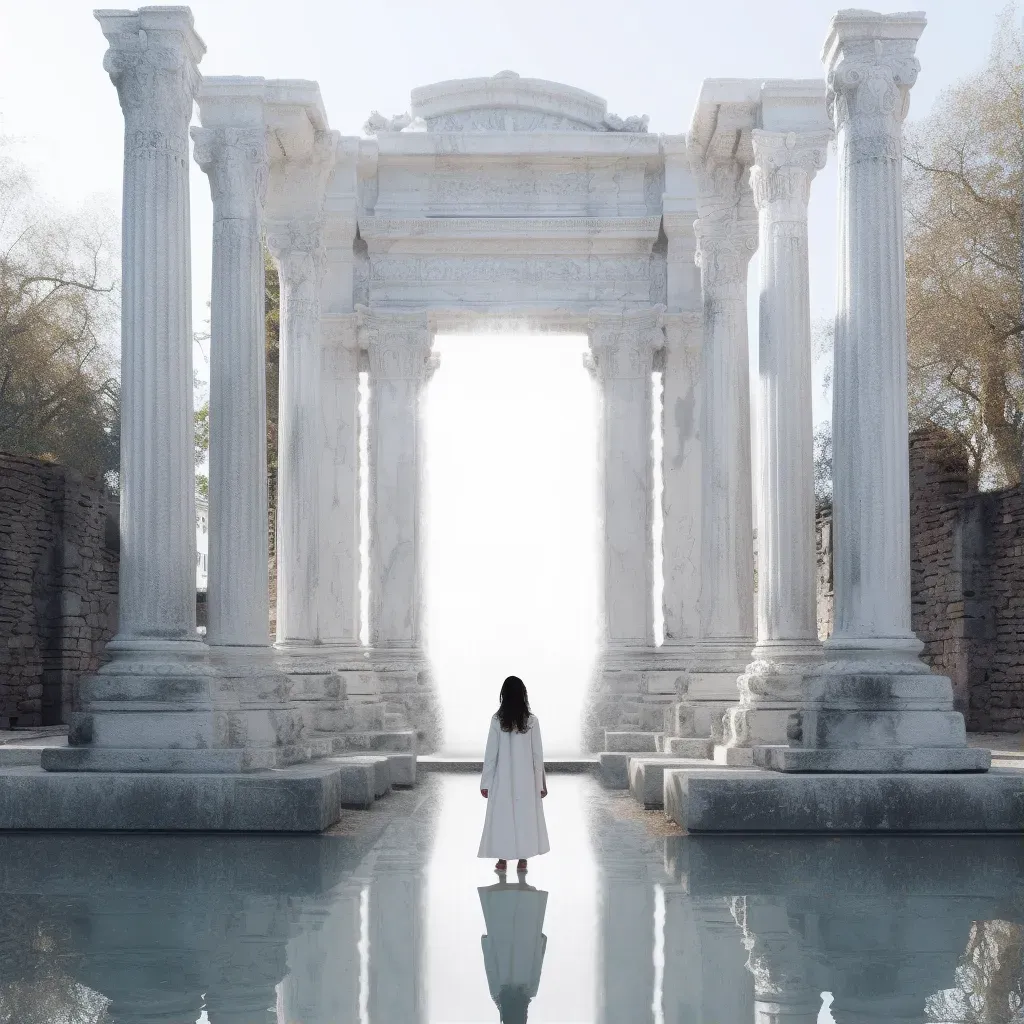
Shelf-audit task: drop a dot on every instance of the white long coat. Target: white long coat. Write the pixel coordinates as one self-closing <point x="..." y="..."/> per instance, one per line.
<point x="513" y="776"/>
<point x="515" y="942"/>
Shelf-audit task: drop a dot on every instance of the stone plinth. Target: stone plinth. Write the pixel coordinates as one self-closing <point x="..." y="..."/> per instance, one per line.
<point x="752" y="800"/>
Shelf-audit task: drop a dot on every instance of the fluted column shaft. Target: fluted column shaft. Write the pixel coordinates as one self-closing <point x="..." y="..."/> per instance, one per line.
<point x="399" y="355"/>
<point x="298" y="249"/>
<point x="339" y="482"/>
<point x="153" y="62"/>
<point x="681" y="476"/>
<point x="784" y="165"/>
<point x="870" y="74"/>
<point x="726" y="238"/>
<point x="238" y="595"/>
<point x="623" y="350"/>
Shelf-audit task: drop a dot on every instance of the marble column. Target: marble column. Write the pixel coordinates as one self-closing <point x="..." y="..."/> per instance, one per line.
<point x="235" y="159"/>
<point x="872" y="706"/>
<point x="297" y="246"/>
<point x="726" y="230"/>
<point x="787" y="630"/>
<point x="681" y="476"/>
<point x="338" y="612"/>
<point x="153" y="62"/>
<point x="622" y="350"/>
<point x="871" y="69"/>
<point x="398" y="345"/>
<point x="623" y="346"/>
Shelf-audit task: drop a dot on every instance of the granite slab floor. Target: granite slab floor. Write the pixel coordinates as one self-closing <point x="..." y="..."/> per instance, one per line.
<point x="391" y="919"/>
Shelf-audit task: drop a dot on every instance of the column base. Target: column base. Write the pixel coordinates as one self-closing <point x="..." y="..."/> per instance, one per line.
<point x="772" y="688"/>
<point x="633" y="688"/>
<point x="179" y="706"/>
<point x="708" y="689"/>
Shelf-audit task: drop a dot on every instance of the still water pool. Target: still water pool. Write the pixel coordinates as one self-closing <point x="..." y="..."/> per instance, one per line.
<point x="391" y="919"/>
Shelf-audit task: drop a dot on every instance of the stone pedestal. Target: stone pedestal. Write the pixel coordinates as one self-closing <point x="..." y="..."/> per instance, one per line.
<point x="875" y="706"/>
<point x="398" y="347"/>
<point x="787" y="639"/>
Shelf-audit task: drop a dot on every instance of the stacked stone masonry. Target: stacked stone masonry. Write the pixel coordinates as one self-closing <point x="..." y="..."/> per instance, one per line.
<point x="967" y="583"/>
<point x="58" y="587"/>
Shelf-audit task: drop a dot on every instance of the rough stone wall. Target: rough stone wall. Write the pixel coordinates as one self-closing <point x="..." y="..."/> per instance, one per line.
<point x="967" y="583"/>
<point x="58" y="586"/>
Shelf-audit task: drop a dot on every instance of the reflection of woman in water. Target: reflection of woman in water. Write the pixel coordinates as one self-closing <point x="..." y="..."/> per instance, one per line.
<point x="513" y="946"/>
<point x="514" y="782"/>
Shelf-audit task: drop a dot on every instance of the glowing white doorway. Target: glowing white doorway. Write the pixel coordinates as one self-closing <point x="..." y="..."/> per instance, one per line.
<point x="511" y="552"/>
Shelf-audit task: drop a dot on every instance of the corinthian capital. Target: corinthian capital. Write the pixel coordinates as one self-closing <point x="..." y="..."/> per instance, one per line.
<point x="398" y="345"/>
<point x="623" y="344"/>
<point x="784" y="167"/>
<point x="871" y="70"/>
<point x="298" y="250"/>
<point x="235" y="161"/>
<point x="153" y="61"/>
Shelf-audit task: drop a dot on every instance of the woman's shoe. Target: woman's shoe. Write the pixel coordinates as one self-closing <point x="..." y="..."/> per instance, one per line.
<point x="521" y="868"/>
<point x="501" y="867"/>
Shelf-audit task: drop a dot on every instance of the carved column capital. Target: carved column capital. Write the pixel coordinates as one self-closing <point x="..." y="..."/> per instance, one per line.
<point x="871" y="69"/>
<point x="398" y="345"/>
<point x="153" y="61"/>
<point x="235" y="161"/>
<point x="726" y="225"/>
<point x="623" y="344"/>
<point x="785" y="164"/>
<point x="298" y="248"/>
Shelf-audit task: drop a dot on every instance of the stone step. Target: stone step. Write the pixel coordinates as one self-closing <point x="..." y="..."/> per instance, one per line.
<point x="647" y="777"/>
<point x="394" y="722"/>
<point x="613" y="767"/>
<point x="362" y="779"/>
<point x="631" y="742"/>
<point x="400" y="741"/>
<point x="687" y="746"/>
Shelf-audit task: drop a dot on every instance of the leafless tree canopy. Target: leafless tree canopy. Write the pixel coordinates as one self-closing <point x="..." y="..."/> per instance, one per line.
<point x="58" y="324"/>
<point x="962" y="193"/>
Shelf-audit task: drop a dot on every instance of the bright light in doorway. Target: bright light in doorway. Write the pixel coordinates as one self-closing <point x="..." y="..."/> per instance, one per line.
<point x="511" y="541"/>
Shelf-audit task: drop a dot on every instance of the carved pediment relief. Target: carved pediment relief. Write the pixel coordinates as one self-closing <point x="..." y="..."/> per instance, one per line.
<point x="504" y="103"/>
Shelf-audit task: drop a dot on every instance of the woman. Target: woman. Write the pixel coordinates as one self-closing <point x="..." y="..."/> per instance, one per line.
<point x="513" y="782"/>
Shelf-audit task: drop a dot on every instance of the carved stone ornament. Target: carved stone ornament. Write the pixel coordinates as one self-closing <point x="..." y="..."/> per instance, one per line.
<point x="784" y="167"/>
<point x="623" y="344"/>
<point x="868" y="99"/>
<point x="156" y="76"/>
<point x="235" y="160"/>
<point x="398" y="345"/>
<point x="298" y="249"/>
<point x="377" y="122"/>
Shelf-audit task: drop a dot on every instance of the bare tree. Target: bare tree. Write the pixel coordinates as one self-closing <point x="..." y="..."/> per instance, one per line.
<point x="58" y="321"/>
<point x="964" y="176"/>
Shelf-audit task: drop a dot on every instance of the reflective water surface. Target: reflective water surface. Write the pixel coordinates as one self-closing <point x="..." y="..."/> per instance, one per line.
<point x="391" y="919"/>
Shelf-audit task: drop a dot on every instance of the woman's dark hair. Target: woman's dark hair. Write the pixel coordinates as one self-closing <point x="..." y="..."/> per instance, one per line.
<point x="513" y="1002"/>
<point x="514" y="706"/>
